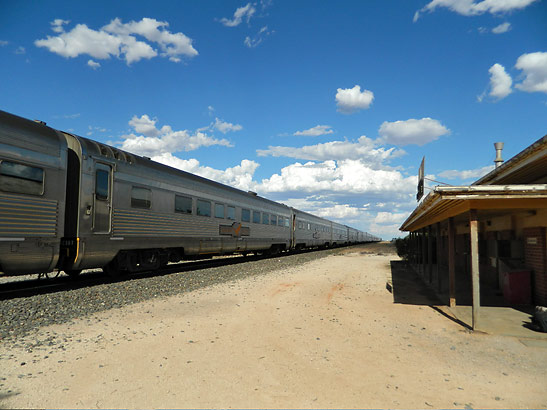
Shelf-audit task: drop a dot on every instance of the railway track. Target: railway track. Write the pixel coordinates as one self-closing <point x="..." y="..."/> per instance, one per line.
<point x="44" y="285"/>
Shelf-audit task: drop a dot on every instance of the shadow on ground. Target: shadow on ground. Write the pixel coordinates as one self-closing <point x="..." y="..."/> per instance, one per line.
<point x="496" y="316"/>
<point x="407" y="287"/>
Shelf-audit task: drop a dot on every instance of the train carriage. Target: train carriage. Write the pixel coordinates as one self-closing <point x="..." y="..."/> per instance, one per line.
<point x="70" y="203"/>
<point x="311" y="230"/>
<point x="142" y="214"/>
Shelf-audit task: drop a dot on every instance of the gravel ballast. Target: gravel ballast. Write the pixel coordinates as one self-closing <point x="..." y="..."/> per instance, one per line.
<point x="20" y="316"/>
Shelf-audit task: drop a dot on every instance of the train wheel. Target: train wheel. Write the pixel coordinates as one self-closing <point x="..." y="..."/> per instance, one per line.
<point x="112" y="269"/>
<point x="73" y="272"/>
<point x="49" y="275"/>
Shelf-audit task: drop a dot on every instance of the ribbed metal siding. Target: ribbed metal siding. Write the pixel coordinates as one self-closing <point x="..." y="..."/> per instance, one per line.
<point x="127" y="222"/>
<point x="22" y="216"/>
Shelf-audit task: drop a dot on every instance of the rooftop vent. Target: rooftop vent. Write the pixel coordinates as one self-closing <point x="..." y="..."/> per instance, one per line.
<point x="499" y="147"/>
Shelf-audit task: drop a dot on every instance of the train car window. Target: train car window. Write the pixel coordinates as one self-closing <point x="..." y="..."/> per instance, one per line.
<point x="141" y="197"/>
<point x="102" y="182"/>
<point x="219" y="210"/>
<point x="273" y="220"/>
<point x="309" y="227"/>
<point x="300" y="226"/>
<point x="280" y="221"/>
<point x="256" y="217"/>
<point x="245" y="215"/>
<point x="183" y="204"/>
<point x="265" y="218"/>
<point x="287" y="223"/>
<point x="21" y="178"/>
<point x="203" y="207"/>
<point x="231" y="214"/>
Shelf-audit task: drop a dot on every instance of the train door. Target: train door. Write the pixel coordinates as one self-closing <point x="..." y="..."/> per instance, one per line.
<point x="102" y="200"/>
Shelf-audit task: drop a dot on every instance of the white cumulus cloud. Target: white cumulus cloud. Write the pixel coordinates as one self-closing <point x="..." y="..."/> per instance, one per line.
<point x="412" y="131"/>
<point x="57" y="25"/>
<point x="502" y="28"/>
<point x="93" y="64"/>
<point x="346" y="176"/>
<point x="363" y="149"/>
<point x="225" y="127"/>
<point x="316" y="131"/>
<point x="244" y="12"/>
<point x="253" y="42"/>
<point x="239" y="176"/>
<point x="534" y="67"/>
<point x="383" y="218"/>
<point x="500" y="82"/>
<point x="154" y="142"/>
<point x="466" y="174"/>
<point x="474" y="8"/>
<point x="117" y="39"/>
<point x="350" y="100"/>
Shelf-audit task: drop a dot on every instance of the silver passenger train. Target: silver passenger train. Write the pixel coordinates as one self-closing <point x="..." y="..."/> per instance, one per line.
<point x="70" y="203"/>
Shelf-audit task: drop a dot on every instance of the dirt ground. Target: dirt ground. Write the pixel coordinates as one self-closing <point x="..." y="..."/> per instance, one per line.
<point x="326" y="334"/>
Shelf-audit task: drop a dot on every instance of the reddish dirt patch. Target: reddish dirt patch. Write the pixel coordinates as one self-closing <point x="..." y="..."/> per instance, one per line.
<point x="336" y="288"/>
<point x="284" y="287"/>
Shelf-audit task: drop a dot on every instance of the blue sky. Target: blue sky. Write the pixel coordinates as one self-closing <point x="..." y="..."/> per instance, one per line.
<point x="327" y="106"/>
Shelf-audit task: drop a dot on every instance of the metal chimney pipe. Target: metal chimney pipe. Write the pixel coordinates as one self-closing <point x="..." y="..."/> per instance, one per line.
<point x="499" y="147"/>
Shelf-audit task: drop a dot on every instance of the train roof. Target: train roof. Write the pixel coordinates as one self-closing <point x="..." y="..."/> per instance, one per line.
<point x="111" y="153"/>
<point x="24" y="132"/>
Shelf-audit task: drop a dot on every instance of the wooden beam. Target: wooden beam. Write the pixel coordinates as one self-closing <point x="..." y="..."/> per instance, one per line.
<point x="475" y="280"/>
<point x="451" y="263"/>
<point x="448" y="207"/>
<point x="509" y="203"/>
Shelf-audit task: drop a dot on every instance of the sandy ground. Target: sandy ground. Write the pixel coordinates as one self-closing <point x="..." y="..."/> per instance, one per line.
<point x="321" y="335"/>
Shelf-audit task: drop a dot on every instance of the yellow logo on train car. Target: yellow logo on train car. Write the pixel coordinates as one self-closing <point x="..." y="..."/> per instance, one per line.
<point x="235" y="230"/>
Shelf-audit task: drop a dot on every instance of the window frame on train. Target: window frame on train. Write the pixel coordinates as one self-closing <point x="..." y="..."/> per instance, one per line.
<point x="30" y="185"/>
<point x="141" y="203"/>
<point x="245" y="215"/>
<point x="231" y="212"/>
<point x="181" y="204"/>
<point x="257" y="217"/>
<point x="102" y="192"/>
<point x="199" y="208"/>
<point x="219" y="211"/>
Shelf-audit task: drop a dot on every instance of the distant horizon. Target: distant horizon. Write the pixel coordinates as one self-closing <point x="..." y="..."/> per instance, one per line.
<point x="327" y="107"/>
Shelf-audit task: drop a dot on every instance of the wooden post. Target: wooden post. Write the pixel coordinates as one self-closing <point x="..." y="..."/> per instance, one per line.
<point x="474" y="238"/>
<point x="414" y="249"/>
<point x="424" y="252"/>
<point x="451" y="262"/>
<point x="430" y="254"/>
<point x="439" y="253"/>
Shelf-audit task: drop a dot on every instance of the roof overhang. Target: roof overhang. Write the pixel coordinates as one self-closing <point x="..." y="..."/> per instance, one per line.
<point x="449" y="201"/>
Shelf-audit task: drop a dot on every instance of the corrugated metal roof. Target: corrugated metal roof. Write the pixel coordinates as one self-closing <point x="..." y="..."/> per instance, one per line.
<point x="527" y="167"/>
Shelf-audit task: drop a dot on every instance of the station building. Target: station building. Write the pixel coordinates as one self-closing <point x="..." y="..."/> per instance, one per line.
<point x="487" y="240"/>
